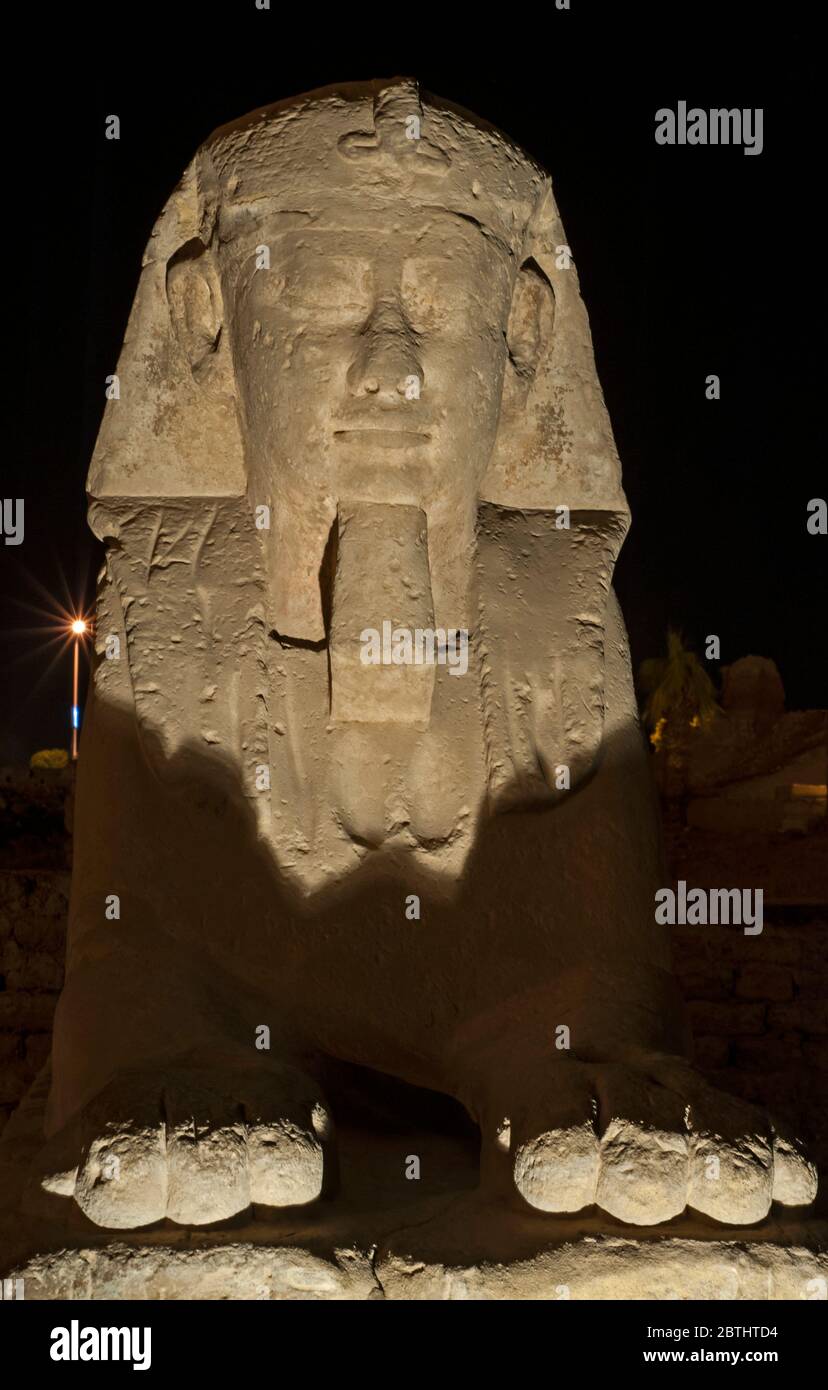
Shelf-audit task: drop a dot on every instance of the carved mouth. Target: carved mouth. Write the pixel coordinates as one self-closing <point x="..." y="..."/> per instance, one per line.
<point x="383" y="439"/>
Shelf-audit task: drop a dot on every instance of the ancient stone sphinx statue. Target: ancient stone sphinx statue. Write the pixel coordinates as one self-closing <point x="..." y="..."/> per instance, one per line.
<point x="357" y="397"/>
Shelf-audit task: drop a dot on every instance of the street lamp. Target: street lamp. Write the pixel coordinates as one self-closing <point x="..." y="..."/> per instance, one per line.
<point x="78" y="628"/>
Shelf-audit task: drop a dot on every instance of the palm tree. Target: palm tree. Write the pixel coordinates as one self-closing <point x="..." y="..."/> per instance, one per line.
<point x="679" y="702"/>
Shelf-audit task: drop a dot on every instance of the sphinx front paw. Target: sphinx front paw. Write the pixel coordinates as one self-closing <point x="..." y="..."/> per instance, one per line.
<point x="643" y="1142"/>
<point x="196" y="1147"/>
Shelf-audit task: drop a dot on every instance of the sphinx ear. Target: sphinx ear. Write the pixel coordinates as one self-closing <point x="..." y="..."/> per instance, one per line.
<point x="196" y="308"/>
<point x="531" y="322"/>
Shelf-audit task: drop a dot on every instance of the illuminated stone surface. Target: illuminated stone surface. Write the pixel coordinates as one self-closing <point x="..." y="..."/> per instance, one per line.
<point x="358" y="311"/>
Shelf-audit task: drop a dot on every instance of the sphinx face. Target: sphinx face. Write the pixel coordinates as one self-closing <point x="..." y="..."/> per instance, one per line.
<point x="369" y="365"/>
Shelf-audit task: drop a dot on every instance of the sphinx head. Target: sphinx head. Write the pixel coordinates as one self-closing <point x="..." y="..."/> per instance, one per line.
<point x="361" y="293"/>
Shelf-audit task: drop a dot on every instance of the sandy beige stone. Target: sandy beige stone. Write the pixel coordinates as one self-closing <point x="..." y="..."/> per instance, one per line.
<point x="358" y="386"/>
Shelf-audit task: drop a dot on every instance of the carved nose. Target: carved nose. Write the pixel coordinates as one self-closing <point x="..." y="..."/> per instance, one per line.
<point x="386" y="364"/>
<point x="408" y="386"/>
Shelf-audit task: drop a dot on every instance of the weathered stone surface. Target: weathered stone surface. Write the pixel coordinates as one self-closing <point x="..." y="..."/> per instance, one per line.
<point x="38" y="1046"/>
<point x="11" y="1048"/>
<point x="593" y="1268"/>
<point x="35" y="809"/>
<point x="359" y="387"/>
<point x="766" y="1052"/>
<point x="764" y="982"/>
<point x="811" y="983"/>
<point x="736" y="1020"/>
<point x="383" y="1237"/>
<point x="713" y="983"/>
<point x="30" y="970"/>
<point x="26" y="1011"/>
<point x="711" y="1053"/>
<point x="807" y="1015"/>
<point x="33" y="911"/>
<point x="14" y="1078"/>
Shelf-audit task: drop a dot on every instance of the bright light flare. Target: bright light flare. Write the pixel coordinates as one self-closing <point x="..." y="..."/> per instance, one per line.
<point x="79" y="626"/>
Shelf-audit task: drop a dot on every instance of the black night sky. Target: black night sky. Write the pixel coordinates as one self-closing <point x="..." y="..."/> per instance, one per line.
<point x="692" y="261"/>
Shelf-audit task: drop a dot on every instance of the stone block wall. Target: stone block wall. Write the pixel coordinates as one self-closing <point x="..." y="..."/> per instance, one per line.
<point x="759" y="1011"/>
<point x="35" y="872"/>
<point x="33" y="912"/>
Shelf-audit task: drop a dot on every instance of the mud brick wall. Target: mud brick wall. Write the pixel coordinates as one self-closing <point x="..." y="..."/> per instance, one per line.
<point x="759" y="1011"/>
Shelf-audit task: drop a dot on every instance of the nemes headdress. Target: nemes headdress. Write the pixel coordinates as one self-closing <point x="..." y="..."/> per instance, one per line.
<point x="363" y="149"/>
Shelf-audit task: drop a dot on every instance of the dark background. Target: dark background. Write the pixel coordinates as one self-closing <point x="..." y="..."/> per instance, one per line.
<point x="692" y="260"/>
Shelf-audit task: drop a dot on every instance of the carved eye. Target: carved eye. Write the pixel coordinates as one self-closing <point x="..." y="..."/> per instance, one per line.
<point x="331" y="289"/>
<point x="430" y="293"/>
<point x="449" y="294"/>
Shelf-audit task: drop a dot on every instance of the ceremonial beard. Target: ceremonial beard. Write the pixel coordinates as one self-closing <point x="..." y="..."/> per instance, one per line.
<point x="338" y="567"/>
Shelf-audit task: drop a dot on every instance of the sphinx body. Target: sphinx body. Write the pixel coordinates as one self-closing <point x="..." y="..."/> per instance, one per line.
<point x="358" y="388"/>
